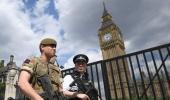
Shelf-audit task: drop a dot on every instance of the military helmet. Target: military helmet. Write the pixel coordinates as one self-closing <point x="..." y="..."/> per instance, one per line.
<point x="80" y="57"/>
<point x="47" y="41"/>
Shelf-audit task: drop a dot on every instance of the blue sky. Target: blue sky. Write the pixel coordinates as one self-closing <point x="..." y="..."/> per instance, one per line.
<point x="75" y="23"/>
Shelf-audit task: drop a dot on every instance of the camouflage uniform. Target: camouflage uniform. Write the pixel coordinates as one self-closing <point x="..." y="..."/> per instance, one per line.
<point x="38" y="68"/>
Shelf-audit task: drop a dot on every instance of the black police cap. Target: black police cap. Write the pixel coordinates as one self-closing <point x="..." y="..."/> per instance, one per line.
<point x="81" y="57"/>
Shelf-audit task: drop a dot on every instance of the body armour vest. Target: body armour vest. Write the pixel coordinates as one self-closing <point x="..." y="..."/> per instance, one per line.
<point x="79" y="79"/>
<point x="83" y="86"/>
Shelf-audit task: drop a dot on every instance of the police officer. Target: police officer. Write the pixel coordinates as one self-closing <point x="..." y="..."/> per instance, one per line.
<point x="70" y="89"/>
<point x="37" y="66"/>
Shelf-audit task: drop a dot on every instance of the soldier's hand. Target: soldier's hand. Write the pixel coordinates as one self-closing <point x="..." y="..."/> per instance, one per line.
<point x="83" y="96"/>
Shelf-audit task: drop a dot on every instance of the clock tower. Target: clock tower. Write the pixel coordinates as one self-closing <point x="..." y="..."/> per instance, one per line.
<point x="110" y="37"/>
<point x="112" y="45"/>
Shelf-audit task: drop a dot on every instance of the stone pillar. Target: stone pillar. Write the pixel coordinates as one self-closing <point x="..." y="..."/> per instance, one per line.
<point x="10" y="90"/>
<point x="11" y="79"/>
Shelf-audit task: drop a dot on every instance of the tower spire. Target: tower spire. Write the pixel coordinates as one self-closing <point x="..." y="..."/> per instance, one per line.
<point x="105" y="10"/>
<point x="104" y="6"/>
<point x="106" y="18"/>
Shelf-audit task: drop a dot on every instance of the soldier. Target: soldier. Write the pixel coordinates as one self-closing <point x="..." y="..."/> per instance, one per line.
<point x="76" y="85"/>
<point x="36" y="67"/>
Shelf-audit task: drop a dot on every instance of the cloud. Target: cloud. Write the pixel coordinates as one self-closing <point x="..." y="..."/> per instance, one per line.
<point x="144" y="24"/>
<point x="13" y="26"/>
<point x="93" y="55"/>
<point x="80" y="28"/>
<point x="148" y="25"/>
<point x="21" y="32"/>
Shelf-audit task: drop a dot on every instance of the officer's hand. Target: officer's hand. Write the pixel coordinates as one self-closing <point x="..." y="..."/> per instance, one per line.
<point x="83" y="96"/>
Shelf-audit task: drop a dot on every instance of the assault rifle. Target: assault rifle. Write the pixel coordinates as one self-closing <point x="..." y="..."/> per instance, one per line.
<point x="49" y="93"/>
<point x="86" y="87"/>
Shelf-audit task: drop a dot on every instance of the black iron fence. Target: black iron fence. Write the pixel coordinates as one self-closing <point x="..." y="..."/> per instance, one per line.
<point x="143" y="75"/>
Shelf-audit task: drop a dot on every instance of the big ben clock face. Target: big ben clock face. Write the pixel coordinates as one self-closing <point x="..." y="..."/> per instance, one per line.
<point x="107" y="37"/>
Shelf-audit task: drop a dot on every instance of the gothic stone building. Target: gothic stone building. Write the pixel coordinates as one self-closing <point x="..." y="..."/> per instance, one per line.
<point x="8" y="79"/>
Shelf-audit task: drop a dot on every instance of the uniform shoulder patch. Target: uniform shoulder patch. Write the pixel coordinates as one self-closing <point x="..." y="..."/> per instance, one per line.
<point x="27" y="61"/>
<point x="31" y="60"/>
